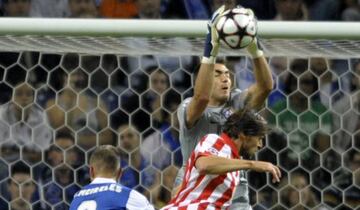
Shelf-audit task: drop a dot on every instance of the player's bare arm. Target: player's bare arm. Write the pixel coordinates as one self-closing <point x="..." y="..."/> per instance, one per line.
<point x="205" y="79"/>
<point x="202" y="92"/>
<point x="219" y="165"/>
<point x="258" y="92"/>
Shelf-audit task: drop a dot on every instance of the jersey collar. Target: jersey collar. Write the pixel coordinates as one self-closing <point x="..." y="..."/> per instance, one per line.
<point x="100" y="180"/>
<point x="231" y="143"/>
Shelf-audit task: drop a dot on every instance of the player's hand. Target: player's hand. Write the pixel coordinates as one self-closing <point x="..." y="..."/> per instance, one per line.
<point x="254" y="49"/>
<point x="212" y="37"/>
<point x="262" y="166"/>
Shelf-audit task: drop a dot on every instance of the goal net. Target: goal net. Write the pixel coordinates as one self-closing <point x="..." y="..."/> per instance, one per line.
<point x="68" y="86"/>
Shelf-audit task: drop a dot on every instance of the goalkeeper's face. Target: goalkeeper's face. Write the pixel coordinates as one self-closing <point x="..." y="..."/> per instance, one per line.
<point x="222" y="83"/>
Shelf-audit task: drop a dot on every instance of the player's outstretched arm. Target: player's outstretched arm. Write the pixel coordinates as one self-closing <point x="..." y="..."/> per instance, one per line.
<point x="219" y="165"/>
<point x="205" y="78"/>
<point x="258" y="92"/>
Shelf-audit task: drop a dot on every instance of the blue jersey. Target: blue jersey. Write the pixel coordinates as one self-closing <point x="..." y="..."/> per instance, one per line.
<point x="106" y="194"/>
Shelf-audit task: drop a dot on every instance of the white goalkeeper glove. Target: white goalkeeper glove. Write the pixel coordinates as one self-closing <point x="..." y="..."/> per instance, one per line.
<point x="212" y="43"/>
<point x="254" y="48"/>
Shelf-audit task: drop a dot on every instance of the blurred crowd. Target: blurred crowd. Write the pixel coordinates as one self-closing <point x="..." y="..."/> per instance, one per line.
<point x="56" y="108"/>
<point x="315" y="10"/>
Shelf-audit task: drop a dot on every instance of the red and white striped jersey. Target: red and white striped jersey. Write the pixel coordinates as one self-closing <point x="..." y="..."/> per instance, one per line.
<point x="207" y="191"/>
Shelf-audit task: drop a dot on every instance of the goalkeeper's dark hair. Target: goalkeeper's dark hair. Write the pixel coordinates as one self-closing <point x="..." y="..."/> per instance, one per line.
<point x="247" y="122"/>
<point x="219" y="60"/>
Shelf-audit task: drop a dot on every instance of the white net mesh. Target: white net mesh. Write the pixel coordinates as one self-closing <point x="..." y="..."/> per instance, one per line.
<point x="72" y="94"/>
<point x="174" y="46"/>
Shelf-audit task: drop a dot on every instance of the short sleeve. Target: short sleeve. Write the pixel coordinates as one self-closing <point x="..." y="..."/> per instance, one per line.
<point x="138" y="202"/>
<point x="181" y="112"/>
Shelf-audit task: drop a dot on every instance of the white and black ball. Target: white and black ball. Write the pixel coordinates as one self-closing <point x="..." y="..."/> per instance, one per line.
<point x="237" y="27"/>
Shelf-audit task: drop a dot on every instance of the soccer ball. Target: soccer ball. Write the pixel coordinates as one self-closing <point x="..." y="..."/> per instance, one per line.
<point x="237" y="27"/>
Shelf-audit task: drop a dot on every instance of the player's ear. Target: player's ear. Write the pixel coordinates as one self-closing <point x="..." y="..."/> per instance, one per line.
<point x="118" y="174"/>
<point x="92" y="173"/>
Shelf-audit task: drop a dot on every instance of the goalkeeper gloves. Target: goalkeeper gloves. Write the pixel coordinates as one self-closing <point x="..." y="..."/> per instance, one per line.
<point x="254" y="50"/>
<point x="254" y="47"/>
<point x="212" y="38"/>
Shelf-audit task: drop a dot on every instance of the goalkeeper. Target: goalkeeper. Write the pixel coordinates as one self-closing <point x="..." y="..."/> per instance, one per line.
<point x="213" y="102"/>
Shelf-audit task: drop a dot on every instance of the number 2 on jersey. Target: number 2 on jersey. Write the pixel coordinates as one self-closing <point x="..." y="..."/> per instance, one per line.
<point x="87" y="205"/>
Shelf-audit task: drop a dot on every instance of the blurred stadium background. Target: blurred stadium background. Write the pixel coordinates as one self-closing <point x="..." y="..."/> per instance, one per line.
<point x="62" y="96"/>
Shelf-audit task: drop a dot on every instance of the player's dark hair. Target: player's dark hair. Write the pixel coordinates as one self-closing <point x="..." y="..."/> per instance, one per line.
<point x="197" y="68"/>
<point x="105" y="158"/>
<point x="247" y="122"/>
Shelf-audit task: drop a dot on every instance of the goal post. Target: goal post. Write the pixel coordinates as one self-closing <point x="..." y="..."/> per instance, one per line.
<point x="171" y="28"/>
<point x="105" y="36"/>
